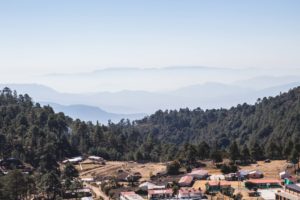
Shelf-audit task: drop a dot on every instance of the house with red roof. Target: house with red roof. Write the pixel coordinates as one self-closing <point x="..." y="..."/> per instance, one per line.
<point x="160" y="194"/>
<point x="190" y="194"/>
<point x="186" y="181"/>
<point x="263" y="183"/>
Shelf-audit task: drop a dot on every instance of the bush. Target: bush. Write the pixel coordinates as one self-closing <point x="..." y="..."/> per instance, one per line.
<point x="226" y="169"/>
<point x="173" y="168"/>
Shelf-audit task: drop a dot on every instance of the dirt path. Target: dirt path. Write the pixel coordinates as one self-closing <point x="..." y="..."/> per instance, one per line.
<point x="97" y="191"/>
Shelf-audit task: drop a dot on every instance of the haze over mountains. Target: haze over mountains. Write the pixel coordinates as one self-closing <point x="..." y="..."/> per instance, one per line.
<point x="199" y="87"/>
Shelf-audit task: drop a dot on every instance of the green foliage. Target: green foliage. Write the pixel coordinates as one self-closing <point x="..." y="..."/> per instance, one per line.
<point x="50" y="185"/>
<point x="14" y="185"/>
<point x="245" y="155"/>
<point x="173" y="167"/>
<point x="41" y="137"/>
<point x="234" y="151"/>
<point x="226" y="169"/>
<point x="70" y="171"/>
<point x="217" y="156"/>
<point x="257" y="152"/>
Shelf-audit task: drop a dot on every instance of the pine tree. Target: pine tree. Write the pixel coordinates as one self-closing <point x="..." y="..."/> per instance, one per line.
<point x="234" y="151"/>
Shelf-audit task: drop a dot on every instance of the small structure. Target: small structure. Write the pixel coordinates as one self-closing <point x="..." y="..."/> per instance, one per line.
<point x="231" y="177"/>
<point x="186" y="181"/>
<point x="243" y="174"/>
<point x="217" y="177"/>
<point x="79" y="193"/>
<point x="291" y="180"/>
<point x="199" y="174"/>
<point x="160" y="194"/>
<point x="255" y="174"/>
<point x="74" y="160"/>
<point x="190" y="194"/>
<point x="87" y="198"/>
<point x="284" y="175"/>
<point x="213" y="187"/>
<point x="281" y="195"/>
<point x="268" y="194"/>
<point x="150" y="186"/>
<point x="132" y="178"/>
<point x="88" y="180"/>
<point x="262" y="183"/>
<point x="130" y="196"/>
<point x="294" y="189"/>
<point x="97" y="159"/>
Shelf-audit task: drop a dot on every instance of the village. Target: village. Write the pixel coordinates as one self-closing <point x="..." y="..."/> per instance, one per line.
<point x="101" y="179"/>
<point x="136" y="181"/>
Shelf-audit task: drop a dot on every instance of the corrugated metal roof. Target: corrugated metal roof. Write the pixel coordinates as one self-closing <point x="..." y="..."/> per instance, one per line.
<point x="293" y="187"/>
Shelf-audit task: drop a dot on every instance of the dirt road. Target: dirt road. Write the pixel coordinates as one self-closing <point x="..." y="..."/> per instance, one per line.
<point x="97" y="191"/>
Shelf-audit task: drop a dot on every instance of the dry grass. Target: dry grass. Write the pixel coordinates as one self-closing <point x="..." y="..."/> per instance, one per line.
<point x="111" y="168"/>
<point x="145" y="169"/>
<point x="84" y="167"/>
<point x="270" y="170"/>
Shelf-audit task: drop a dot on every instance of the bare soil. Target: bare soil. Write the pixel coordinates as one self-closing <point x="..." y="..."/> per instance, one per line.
<point x="112" y="167"/>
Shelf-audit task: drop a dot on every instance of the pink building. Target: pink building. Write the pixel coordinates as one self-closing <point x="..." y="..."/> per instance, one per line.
<point x="160" y="194"/>
<point x="189" y="194"/>
<point x="186" y="181"/>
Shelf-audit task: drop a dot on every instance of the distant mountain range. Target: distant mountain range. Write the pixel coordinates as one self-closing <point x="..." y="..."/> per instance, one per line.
<point x="104" y="106"/>
<point x="91" y="113"/>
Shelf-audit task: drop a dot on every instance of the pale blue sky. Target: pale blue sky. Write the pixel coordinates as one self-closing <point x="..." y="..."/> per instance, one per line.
<point x="38" y="37"/>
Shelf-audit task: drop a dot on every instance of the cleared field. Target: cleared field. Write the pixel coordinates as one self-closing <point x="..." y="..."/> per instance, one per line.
<point x="270" y="170"/>
<point x="145" y="169"/>
<point x="111" y="168"/>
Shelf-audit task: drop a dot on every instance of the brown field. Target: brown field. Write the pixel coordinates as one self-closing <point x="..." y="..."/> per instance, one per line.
<point x="111" y="168"/>
<point x="270" y="170"/>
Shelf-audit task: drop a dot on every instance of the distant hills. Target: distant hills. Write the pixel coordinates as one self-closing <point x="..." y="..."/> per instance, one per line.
<point x="92" y="113"/>
<point x="104" y="106"/>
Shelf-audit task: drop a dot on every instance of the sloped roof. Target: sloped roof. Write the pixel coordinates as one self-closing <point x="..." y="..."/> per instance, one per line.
<point x="263" y="181"/>
<point x="186" y="179"/>
<point x="293" y="187"/>
<point x="166" y="191"/>
<point x="221" y="183"/>
<point x="201" y="172"/>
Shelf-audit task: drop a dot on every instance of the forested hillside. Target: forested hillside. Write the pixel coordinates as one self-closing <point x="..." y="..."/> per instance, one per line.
<point x="272" y="124"/>
<point x="37" y="135"/>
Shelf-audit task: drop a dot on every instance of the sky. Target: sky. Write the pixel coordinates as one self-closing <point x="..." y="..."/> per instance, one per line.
<point x="71" y="36"/>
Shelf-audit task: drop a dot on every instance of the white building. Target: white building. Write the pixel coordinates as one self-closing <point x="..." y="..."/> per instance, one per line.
<point x="73" y="160"/>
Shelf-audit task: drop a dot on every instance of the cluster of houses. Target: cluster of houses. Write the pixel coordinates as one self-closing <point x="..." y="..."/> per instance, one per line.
<point x="84" y="193"/>
<point x="199" y="184"/>
<point x="252" y="181"/>
<point x="160" y="192"/>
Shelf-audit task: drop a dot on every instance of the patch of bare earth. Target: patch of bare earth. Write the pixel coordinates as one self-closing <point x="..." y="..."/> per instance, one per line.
<point x="271" y="170"/>
<point x="111" y="168"/>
